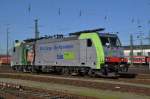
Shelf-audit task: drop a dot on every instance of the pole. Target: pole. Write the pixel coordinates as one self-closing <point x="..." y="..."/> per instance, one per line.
<point x="149" y="37"/>
<point x="34" y="45"/>
<point x="0" y="47"/>
<point x="7" y="43"/>
<point x="140" y="38"/>
<point x="141" y="47"/>
<point x="131" y="49"/>
<point x="149" y="66"/>
<point x="36" y="29"/>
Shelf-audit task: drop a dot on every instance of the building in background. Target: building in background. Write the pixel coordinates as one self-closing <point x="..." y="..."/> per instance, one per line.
<point x="138" y="50"/>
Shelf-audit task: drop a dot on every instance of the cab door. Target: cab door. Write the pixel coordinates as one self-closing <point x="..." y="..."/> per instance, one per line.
<point x="90" y="53"/>
<point x="83" y="53"/>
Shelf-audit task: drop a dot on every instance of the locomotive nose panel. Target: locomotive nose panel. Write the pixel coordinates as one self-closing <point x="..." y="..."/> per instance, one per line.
<point x="114" y="55"/>
<point x="113" y="51"/>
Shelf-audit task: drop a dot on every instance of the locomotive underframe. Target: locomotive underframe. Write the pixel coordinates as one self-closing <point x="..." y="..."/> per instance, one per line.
<point x="108" y="69"/>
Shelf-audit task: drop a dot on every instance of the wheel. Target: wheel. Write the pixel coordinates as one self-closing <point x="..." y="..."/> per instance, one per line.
<point x="124" y="68"/>
<point x="91" y="73"/>
<point x="65" y="71"/>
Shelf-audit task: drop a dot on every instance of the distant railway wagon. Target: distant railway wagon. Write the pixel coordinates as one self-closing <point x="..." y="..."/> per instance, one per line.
<point x="139" y="60"/>
<point x="4" y="59"/>
<point x="86" y="52"/>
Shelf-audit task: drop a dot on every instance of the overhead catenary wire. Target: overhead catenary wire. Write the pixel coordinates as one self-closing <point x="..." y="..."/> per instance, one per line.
<point x="59" y="11"/>
<point x="29" y="8"/>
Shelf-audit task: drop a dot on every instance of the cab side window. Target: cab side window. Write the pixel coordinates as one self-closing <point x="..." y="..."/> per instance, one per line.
<point x="89" y="43"/>
<point x="14" y="49"/>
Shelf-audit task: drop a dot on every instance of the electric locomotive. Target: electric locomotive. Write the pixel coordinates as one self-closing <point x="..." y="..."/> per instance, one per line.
<point x="88" y="52"/>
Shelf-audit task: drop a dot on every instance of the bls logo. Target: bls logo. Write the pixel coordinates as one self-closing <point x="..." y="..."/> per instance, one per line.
<point x="60" y="56"/>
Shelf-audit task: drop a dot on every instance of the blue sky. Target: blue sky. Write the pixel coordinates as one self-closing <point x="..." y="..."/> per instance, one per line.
<point x="123" y="16"/>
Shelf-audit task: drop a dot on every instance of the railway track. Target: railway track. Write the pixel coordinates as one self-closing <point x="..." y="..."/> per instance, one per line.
<point x="124" y="85"/>
<point x="140" y="84"/>
<point x="85" y="91"/>
<point x="8" y="69"/>
<point x="12" y="91"/>
<point x="140" y="78"/>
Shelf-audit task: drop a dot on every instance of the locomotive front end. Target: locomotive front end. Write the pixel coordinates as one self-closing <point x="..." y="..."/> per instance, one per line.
<point x="114" y="57"/>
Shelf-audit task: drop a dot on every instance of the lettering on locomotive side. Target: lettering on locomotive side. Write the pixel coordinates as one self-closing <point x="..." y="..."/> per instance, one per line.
<point x="55" y="47"/>
<point x="62" y="47"/>
<point x="45" y="48"/>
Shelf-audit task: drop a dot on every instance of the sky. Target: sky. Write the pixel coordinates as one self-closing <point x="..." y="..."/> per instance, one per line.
<point x="65" y="16"/>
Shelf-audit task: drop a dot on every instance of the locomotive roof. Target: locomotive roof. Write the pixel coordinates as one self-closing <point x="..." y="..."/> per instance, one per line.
<point x="58" y="39"/>
<point x="107" y="35"/>
<point x="51" y="39"/>
<point x="87" y="31"/>
<point x="71" y="37"/>
<point x="60" y="36"/>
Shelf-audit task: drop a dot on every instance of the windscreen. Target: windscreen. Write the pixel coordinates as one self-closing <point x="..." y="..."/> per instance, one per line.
<point x="110" y="40"/>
